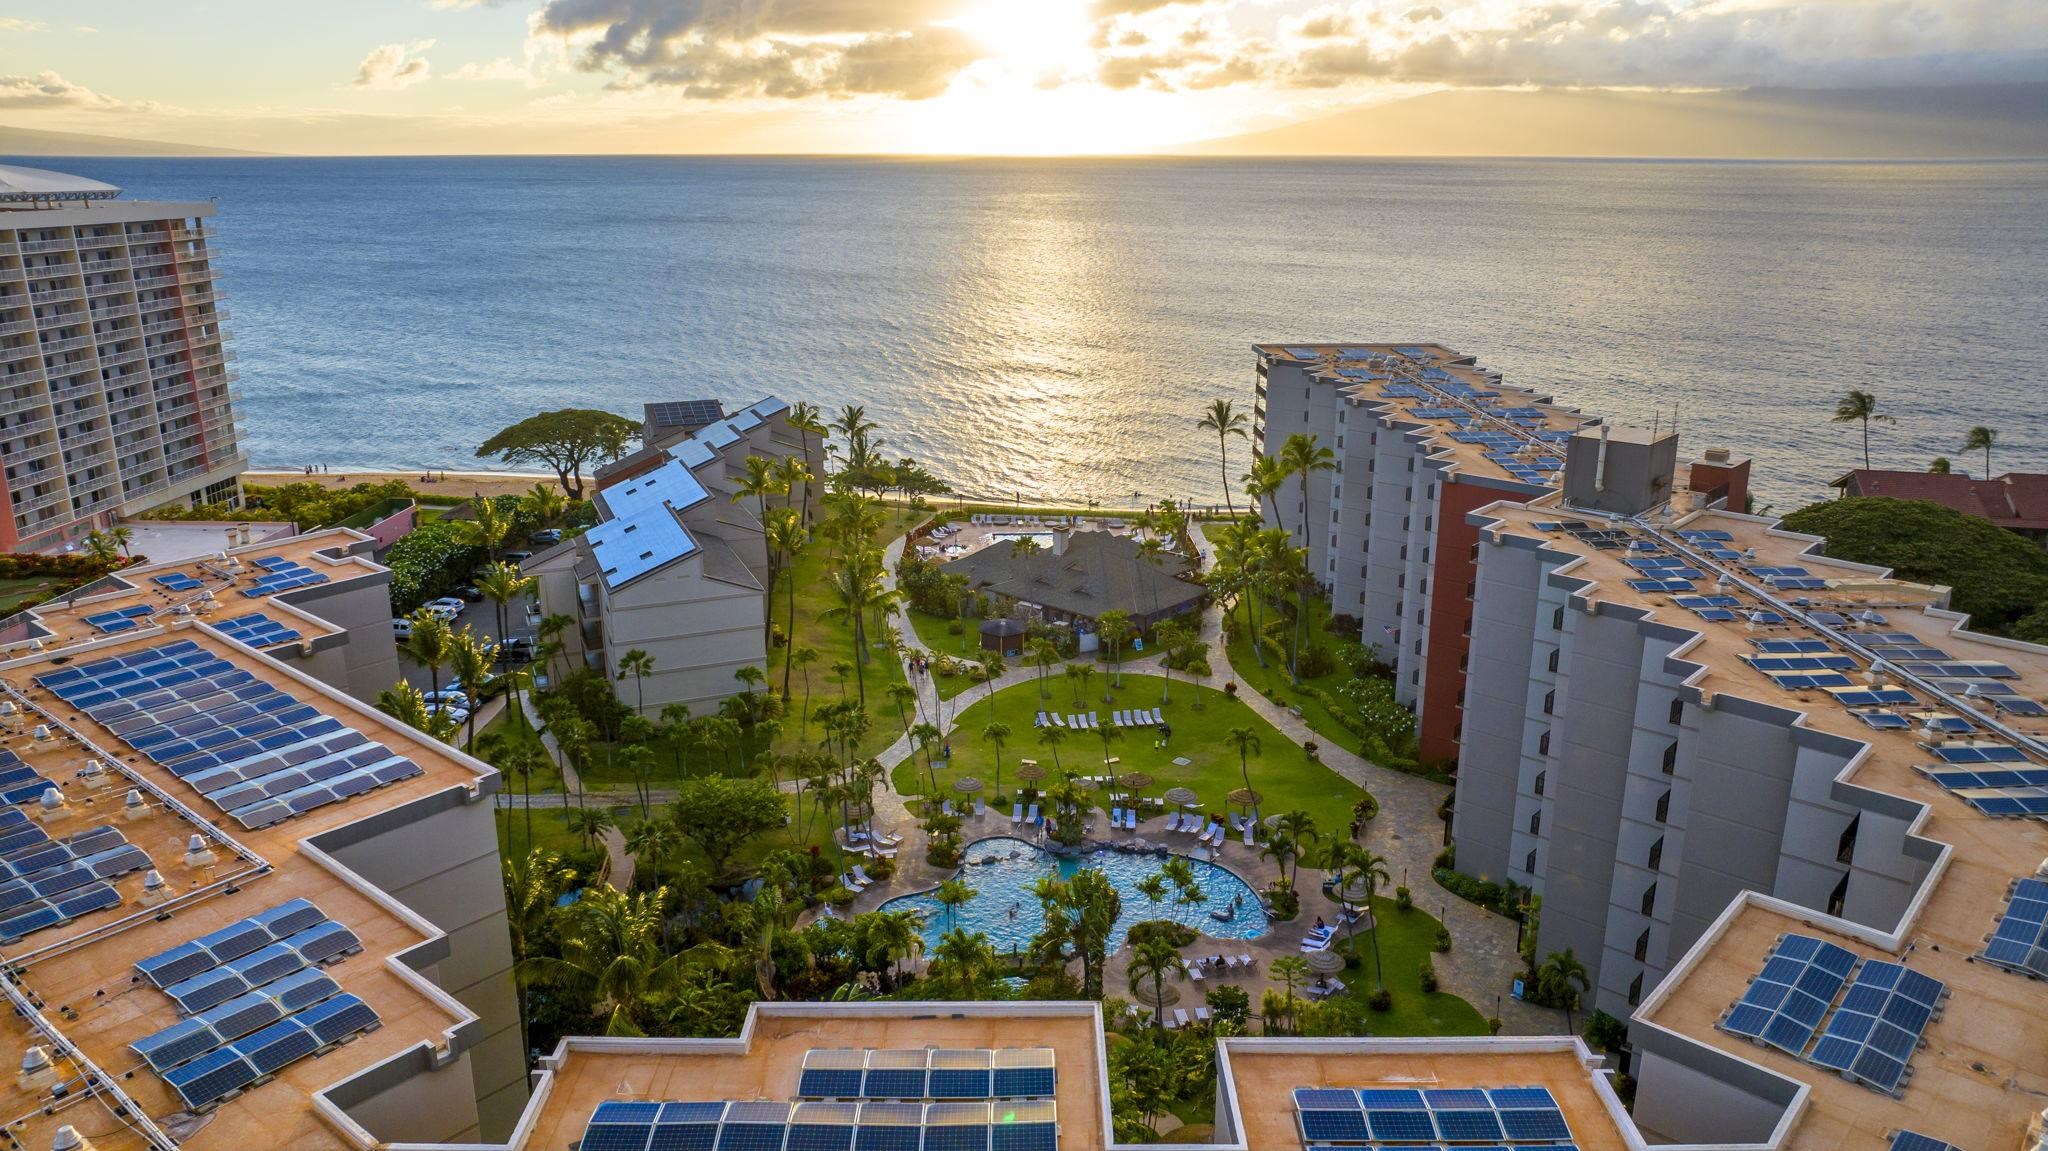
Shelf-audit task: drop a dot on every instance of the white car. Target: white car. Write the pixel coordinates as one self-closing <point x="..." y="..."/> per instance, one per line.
<point x="456" y="715"/>
<point x="446" y="608"/>
<point x="401" y="629"/>
<point x="446" y="697"/>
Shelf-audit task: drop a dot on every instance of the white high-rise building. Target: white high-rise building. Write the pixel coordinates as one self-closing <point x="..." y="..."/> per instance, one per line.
<point x="115" y="395"/>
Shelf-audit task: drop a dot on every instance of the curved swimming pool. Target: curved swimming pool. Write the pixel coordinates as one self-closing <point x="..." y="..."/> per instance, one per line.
<point x="1007" y="911"/>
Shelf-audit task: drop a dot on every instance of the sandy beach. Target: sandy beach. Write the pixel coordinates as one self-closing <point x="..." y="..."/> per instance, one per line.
<point x="435" y="482"/>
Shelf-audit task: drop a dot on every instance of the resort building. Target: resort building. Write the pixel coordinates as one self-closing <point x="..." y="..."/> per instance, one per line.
<point x="241" y="908"/>
<point x="2015" y="501"/>
<point x="1081" y="576"/>
<point x="676" y="567"/>
<point x="115" y="395"/>
<point x="1786" y="810"/>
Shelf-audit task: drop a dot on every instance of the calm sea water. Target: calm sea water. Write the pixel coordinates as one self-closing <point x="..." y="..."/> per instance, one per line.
<point x="1054" y="327"/>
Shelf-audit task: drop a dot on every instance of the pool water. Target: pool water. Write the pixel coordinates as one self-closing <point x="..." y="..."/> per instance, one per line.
<point x="1005" y="886"/>
<point x="1042" y="539"/>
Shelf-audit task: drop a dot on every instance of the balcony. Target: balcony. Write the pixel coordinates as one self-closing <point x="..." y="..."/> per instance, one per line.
<point x="151" y="259"/>
<point x="55" y="295"/>
<point x="17" y="327"/>
<point x="60" y="244"/>
<point x="158" y="280"/>
<point x="103" y="309"/>
<point x="108" y="288"/>
<point x="190" y="275"/>
<point x="68" y="344"/>
<point x="17" y="431"/>
<point x="113" y="359"/>
<point x="9" y="248"/>
<point x="23" y="404"/>
<point x="202" y="296"/>
<point x="110" y="264"/>
<point x="25" y="503"/>
<point x="80" y="463"/>
<point x="16" y="379"/>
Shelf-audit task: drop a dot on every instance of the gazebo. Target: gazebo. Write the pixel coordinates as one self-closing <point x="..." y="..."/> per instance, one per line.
<point x="1004" y="636"/>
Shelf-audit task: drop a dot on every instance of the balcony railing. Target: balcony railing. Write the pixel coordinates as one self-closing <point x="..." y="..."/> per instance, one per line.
<point x="16" y="379"/>
<point x="28" y="428"/>
<point x="80" y="463"/>
<point x="203" y="296"/>
<point x="55" y="295"/>
<point x="188" y="274"/>
<point x="110" y="264"/>
<point x="109" y="288"/>
<point x="60" y="244"/>
<point x="77" y="389"/>
<point x="24" y="504"/>
<point x="151" y="259"/>
<point x="17" y="327"/>
<point x="114" y="359"/>
<point x="69" y="344"/>
<point x="161" y="279"/>
<point x="23" y="404"/>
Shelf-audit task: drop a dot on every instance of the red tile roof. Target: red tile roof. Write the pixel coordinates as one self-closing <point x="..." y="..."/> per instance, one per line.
<point x="2015" y="500"/>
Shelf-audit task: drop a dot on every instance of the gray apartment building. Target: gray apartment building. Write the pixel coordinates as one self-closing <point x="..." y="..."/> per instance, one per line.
<point x="676" y="567"/>
<point x="115" y="391"/>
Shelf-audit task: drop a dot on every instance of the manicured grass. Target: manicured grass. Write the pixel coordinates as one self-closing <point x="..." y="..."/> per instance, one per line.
<point x="933" y="631"/>
<point x="547" y="778"/>
<point x="550" y="831"/>
<point x="833" y="640"/>
<point x="14" y="591"/>
<point x="1405" y="940"/>
<point x="1285" y="776"/>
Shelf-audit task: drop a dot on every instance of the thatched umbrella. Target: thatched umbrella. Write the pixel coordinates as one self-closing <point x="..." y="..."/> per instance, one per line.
<point x="858" y="811"/>
<point x="1134" y="781"/>
<point x="1245" y="797"/>
<point x="1182" y="797"/>
<point x="967" y="785"/>
<point x="1328" y="961"/>
<point x="1029" y="773"/>
<point x="1354" y="893"/>
<point x="1141" y="990"/>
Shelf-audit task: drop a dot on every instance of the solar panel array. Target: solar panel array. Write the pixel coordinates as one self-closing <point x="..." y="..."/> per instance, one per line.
<point x="124" y="619"/>
<point x="2020" y="942"/>
<point x="1872" y="1036"/>
<point x="1786" y="1001"/>
<point x="1382" y="1116"/>
<point x="621" y="1125"/>
<point x="20" y="783"/>
<point x="257" y="630"/>
<point x="1914" y="1141"/>
<point x="684" y="413"/>
<point x="285" y="575"/>
<point x="45" y="884"/>
<point x="1869" y="1039"/>
<point x="227" y="1071"/>
<point x="255" y="752"/>
<point x="927" y="1073"/>
<point x="178" y="582"/>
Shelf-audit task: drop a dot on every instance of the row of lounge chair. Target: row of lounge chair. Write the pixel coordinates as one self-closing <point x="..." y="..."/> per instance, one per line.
<point x="996" y="520"/>
<point x="1019" y="816"/>
<point x="1141" y="717"/>
<point x="1179" y="1018"/>
<point x="1207" y="967"/>
<point x="858" y="879"/>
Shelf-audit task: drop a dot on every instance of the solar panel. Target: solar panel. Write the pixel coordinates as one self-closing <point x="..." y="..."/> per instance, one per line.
<point x="1390" y="1126"/>
<point x="830" y="1083"/>
<point x="2020" y="942"/>
<point x="272" y="1048"/>
<point x="210" y="1078"/>
<point x="1535" y="1124"/>
<point x="339" y="1017"/>
<point x="1872" y="1036"/>
<point x="1914" y="1141"/>
<point x="894" y="1083"/>
<point x="1786" y="1001"/>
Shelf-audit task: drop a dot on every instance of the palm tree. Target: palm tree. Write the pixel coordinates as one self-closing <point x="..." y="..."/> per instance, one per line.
<point x="1363" y="868"/>
<point x="786" y="538"/>
<point x="1082" y="673"/>
<point x="402" y="702"/>
<point x="1560" y="972"/>
<point x="121" y="535"/>
<point x="1263" y="483"/>
<point x="1941" y="466"/>
<point x="544" y="506"/>
<point x="965" y="959"/>
<point x="790" y="472"/>
<point x="859" y="586"/>
<point x="759" y="482"/>
<point x="486" y="527"/>
<point x="804" y="418"/>
<point x="1246" y="742"/>
<point x="1289" y="970"/>
<point x="901" y="694"/>
<point x="653" y="842"/>
<point x="1108" y="736"/>
<point x="1045" y="655"/>
<point x="1051" y="737"/>
<point x="612" y="953"/>
<point x="951" y="894"/>
<point x="1299" y="456"/>
<point x="1283" y="849"/>
<point x="1980" y="438"/>
<point x="430" y="645"/>
<point x="1860" y="407"/>
<point x="1154" y="958"/>
<point x="639" y="665"/>
<point x="532" y="886"/>
<point x="100" y="546"/>
<point x="471" y="657"/>
<point x="501" y="584"/>
<point x="925" y="736"/>
<point x="1299" y="825"/>
<point x="1226" y="422"/>
<point x="589" y="824"/>
<point x="1114" y="626"/>
<point x="802" y="657"/>
<point x="997" y="734"/>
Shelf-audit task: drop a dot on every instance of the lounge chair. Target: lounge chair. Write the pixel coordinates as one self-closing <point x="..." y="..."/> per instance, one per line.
<point x="1031" y="816"/>
<point x="1130" y="819"/>
<point x="947" y="807"/>
<point x="1040" y="721"/>
<point x="1202" y="1015"/>
<point x="1169" y="1022"/>
<point x="980" y="808"/>
<point x="1092" y="721"/>
<point x="1180" y="1017"/>
<point x="885" y="853"/>
<point x="1246" y="963"/>
<point x="1116" y="816"/>
<point x="1195" y="972"/>
<point x="1057" y="719"/>
<point x="1249" y="830"/>
<point x="1016" y="813"/>
<point x="860" y="873"/>
<point x="851" y="885"/>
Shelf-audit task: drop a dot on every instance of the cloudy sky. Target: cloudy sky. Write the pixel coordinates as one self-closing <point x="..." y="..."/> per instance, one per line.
<point x="949" y="76"/>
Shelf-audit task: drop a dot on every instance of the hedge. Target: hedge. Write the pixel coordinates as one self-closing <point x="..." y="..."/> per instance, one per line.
<point x="427" y="563"/>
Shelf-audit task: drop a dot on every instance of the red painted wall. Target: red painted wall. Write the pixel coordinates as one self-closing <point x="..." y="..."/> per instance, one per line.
<point x="1451" y="571"/>
<point x="9" y="538"/>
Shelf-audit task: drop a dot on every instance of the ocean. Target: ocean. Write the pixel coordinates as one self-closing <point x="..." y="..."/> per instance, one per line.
<point x="1051" y="329"/>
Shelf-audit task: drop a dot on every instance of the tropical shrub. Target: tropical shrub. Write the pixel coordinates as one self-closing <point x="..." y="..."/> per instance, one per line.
<point x="428" y="562"/>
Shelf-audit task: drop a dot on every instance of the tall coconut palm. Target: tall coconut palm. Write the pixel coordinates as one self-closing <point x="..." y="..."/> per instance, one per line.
<point x="904" y="697"/>
<point x="790" y="473"/>
<point x="1358" y="867"/>
<point x="544" y="507"/>
<point x="1050" y="737"/>
<point x="1245" y="742"/>
<point x="589" y="824"/>
<point x="1114" y="626"/>
<point x="122" y="536"/>
<point x="612" y="954"/>
<point x="1262" y="485"/>
<point x="502" y="585"/>
<point x="858" y="585"/>
<point x="804" y="418"/>
<point x="486" y="527"/>
<point x="639" y="665"/>
<point x="951" y="894"/>
<point x="1154" y="958"/>
<point x="533" y="884"/>
<point x="802" y="657"/>
<point x="757" y="482"/>
<point x="1560" y="972"/>
<point x="1860" y="407"/>
<point x="925" y="737"/>
<point x="786" y="538"/>
<point x="1299" y="456"/>
<point x="1045" y="655"/>
<point x="997" y="734"/>
<point x="471" y="657"/>
<point x="1225" y="421"/>
<point x="431" y="645"/>
<point x="1980" y="439"/>
<point x="964" y="960"/>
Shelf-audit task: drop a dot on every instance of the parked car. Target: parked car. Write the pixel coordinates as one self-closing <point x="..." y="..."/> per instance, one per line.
<point x="517" y="557"/>
<point x="545" y="537"/>
<point x="456" y="715"/>
<point x="517" y="648"/>
<point x="470" y="592"/>
<point x="446" y="697"/>
<point x="447" y="607"/>
<point x="401" y="629"/>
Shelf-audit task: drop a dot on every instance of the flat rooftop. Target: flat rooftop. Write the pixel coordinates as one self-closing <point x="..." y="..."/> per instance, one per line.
<point x="1981" y="1076"/>
<point x="1484" y="427"/>
<point x="768" y="1060"/>
<point x="80" y="974"/>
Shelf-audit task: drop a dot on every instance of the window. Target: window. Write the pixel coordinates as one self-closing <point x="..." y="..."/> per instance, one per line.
<point x="1361" y="571"/>
<point x="1557" y="620"/>
<point x="1664" y="807"/>
<point x="1415" y="678"/>
<point x="1541" y="776"/>
<point x="1536" y="822"/>
<point x="1845" y="848"/>
<point x="1418" y="614"/>
<point x="1475" y="553"/>
<point x="1650" y="899"/>
<point x="1428" y="522"/>
<point x="1643" y="945"/>
<point x="1542" y="748"/>
<point x="1635" y="990"/>
<point x="1529" y="864"/>
<point x="1461" y="697"/>
<point x="1404" y="551"/>
<point x="1656" y="856"/>
<point x="1411" y="463"/>
<point x="1550" y="702"/>
<point x="1839" y="897"/>
<point x="1678" y="710"/>
<point x="1555" y="653"/>
<point x="1671" y="758"/>
<point x="1465" y="660"/>
<point x="1404" y="523"/>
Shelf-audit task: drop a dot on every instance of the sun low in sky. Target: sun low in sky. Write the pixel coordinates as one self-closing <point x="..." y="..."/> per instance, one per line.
<point x="1034" y="77"/>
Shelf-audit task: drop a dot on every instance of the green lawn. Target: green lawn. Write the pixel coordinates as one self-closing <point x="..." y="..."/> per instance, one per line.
<point x="1286" y="777"/>
<point x="550" y="831"/>
<point x="506" y="726"/>
<point x="832" y="639"/>
<point x="933" y="631"/>
<point x="1405" y="940"/>
<point x="14" y="591"/>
